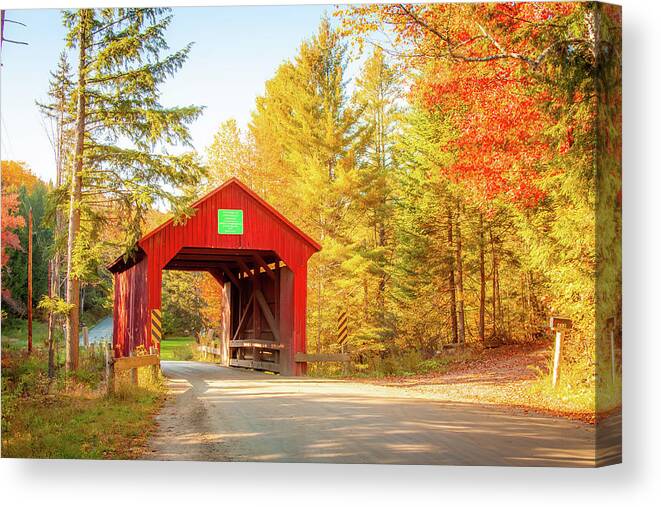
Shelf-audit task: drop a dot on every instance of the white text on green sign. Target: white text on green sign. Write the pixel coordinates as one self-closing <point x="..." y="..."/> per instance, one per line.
<point x="230" y="221"/>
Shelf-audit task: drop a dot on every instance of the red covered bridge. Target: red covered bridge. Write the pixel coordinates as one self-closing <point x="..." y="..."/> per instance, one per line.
<point x="257" y="256"/>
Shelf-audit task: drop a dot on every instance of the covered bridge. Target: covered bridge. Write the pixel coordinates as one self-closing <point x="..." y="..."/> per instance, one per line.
<point x="258" y="257"/>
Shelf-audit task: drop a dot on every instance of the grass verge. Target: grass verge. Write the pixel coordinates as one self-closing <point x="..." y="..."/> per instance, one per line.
<point x="408" y="364"/>
<point x="177" y="348"/>
<point x="70" y="416"/>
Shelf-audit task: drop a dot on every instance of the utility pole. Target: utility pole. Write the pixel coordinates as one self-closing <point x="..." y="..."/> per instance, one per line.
<point x="30" y="281"/>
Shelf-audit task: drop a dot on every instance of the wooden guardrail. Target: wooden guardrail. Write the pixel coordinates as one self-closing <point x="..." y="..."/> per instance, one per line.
<point x="254" y="363"/>
<point x="132" y="363"/>
<point x="300" y="357"/>
<point x="214" y="351"/>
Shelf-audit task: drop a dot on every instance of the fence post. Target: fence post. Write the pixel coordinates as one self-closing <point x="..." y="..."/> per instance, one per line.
<point x="558" y="324"/>
<point x="86" y="337"/>
<point x="345" y="364"/>
<point x="134" y="372"/>
<point x="110" y="369"/>
<point x="154" y="368"/>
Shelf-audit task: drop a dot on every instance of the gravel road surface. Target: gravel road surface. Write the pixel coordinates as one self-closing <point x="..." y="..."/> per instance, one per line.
<point x="225" y="414"/>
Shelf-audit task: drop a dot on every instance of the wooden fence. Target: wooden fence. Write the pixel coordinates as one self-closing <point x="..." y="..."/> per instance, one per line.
<point x="132" y="363"/>
<point x="300" y="357"/>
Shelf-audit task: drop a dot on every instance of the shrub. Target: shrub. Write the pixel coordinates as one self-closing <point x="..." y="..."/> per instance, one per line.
<point x="183" y="353"/>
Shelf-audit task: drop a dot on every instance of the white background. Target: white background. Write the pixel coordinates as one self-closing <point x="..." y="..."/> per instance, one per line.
<point x="636" y="482"/>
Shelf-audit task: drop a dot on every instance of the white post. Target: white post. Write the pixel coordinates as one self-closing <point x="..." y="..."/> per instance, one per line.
<point x="86" y="336"/>
<point x="556" y="357"/>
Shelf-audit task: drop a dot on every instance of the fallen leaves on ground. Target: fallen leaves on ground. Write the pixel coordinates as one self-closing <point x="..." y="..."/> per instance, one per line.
<point x="502" y="376"/>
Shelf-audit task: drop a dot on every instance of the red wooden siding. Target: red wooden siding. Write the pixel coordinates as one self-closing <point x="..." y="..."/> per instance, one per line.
<point x="131" y="316"/>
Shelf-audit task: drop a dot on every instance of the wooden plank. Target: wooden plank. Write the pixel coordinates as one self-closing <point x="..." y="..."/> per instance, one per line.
<point x="244" y="267"/>
<point x="217" y="276"/>
<point x="230" y="275"/>
<point x="235" y="252"/>
<point x="191" y="265"/>
<point x="243" y="319"/>
<point x="128" y="363"/>
<point x="210" y="257"/>
<point x="210" y="350"/>
<point x="560" y="322"/>
<point x="256" y="365"/>
<point x="256" y="317"/>
<point x="262" y="263"/>
<point x="300" y="357"/>
<point x="259" y="344"/>
<point x="259" y="295"/>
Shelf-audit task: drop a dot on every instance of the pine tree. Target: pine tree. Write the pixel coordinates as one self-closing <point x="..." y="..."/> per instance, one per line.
<point x="232" y="155"/>
<point x="305" y="134"/>
<point x="59" y="113"/>
<point x="377" y="90"/>
<point x="121" y="165"/>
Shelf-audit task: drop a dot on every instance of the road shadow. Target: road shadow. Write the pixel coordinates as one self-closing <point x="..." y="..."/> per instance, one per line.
<point x="237" y="415"/>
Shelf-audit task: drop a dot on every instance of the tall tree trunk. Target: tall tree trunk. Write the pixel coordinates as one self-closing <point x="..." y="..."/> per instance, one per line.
<point x="51" y="323"/>
<point x="381" y="290"/>
<point x="29" y="305"/>
<point x="451" y="284"/>
<point x="319" y="291"/>
<point x="54" y="263"/>
<point x="461" y="328"/>
<point x="483" y="281"/>
<point x="494" y="285"/>
<point x="73" y="283"/>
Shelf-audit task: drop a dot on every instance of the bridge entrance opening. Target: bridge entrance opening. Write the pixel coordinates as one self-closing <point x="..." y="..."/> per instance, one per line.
<point x="255" y="329"/>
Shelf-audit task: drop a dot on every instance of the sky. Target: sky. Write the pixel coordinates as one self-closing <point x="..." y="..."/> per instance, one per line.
<point x="236" y="50"/>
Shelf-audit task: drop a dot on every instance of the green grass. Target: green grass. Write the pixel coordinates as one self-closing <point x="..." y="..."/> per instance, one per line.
<point x="70" y="416"/>
<point x="76" y="426"/>
<point x="578" y="389"/>
<point x="177" y="348"/>
<point x="15" y="334"/>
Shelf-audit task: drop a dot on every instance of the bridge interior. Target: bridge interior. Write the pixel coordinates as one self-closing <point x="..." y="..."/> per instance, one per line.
<point x="256" y="326"/>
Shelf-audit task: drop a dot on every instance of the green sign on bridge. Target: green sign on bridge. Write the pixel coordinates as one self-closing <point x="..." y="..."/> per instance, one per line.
<point x="230" y="221"/>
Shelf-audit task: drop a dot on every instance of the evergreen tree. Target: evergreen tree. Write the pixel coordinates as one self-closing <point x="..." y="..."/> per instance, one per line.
<point x="232" y="155"/>
<point x="121" y="165"/>
<point x="59" y="114"/>
<point x="305" y="134"/>
<point x="378" y="89"/>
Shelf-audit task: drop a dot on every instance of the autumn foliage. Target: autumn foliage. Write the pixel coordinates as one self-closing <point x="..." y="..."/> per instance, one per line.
<point x="14" y="175"/>
<point x="500" y="128"/>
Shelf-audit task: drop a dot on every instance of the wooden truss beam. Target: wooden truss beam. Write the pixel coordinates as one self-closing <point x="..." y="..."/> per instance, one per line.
<point x="230" y="275"/>
<point x="261" y="300"/>
<point x="264" y="265"/>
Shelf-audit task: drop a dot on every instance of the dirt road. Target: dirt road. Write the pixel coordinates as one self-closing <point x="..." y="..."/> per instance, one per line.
<point x="224" y="414"/>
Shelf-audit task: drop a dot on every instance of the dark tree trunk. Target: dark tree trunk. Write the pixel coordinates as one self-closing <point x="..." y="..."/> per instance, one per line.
<point x="381" y="290"/>
<point x="494" y="285"/>
<point x="73" y="283"/>
<point x="451" y="284"/>
<point x="51" y="323"/>
<point x="461" y="327"/>
<point x="483" y="282"/>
